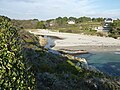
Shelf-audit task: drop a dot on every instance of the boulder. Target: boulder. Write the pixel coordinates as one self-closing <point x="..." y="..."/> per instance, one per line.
<point x="42" y="41"/>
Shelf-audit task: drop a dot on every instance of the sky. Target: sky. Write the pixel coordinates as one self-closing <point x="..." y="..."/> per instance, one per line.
<point x="49" y="9"/>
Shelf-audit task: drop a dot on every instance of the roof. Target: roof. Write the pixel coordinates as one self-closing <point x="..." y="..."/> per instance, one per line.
<point x="109" y="19"/>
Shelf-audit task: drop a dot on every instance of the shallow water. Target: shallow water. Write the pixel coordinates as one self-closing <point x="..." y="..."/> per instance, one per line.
<point x="108" y="62"/>
<point x="50" y="41"/>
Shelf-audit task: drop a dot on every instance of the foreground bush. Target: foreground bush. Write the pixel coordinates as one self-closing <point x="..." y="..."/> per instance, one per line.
<point x="14" y="69"/>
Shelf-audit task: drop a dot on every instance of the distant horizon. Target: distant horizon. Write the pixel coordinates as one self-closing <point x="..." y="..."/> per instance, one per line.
<point x="51" y="9"/>
<point x="57" y="17"/>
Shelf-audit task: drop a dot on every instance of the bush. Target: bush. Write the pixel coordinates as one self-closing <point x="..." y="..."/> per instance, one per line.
<point x="14" y="71"/>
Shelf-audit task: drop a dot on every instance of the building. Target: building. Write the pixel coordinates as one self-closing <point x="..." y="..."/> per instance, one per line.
<point x="106" y="25"/>
<point x="71" y="22"/>
<point x="108" y="20"/>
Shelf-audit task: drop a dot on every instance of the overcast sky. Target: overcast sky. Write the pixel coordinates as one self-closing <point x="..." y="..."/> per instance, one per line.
<point x="48" y="9"/>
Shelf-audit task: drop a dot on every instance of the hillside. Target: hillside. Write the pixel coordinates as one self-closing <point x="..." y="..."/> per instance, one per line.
<point x="54" y="72"/>
<point x="28" y="65"/>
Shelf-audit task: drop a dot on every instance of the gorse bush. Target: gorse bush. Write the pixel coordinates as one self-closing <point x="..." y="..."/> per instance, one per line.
<point x="14" y="69"/>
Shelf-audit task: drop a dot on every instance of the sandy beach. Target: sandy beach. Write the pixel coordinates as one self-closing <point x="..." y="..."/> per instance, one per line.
<point x="78" y="41"/>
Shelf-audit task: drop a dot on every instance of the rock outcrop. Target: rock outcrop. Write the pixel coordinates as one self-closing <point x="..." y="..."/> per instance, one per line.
<point x="42" y="41"/>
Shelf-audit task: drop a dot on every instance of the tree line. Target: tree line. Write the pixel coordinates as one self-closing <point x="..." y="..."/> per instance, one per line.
<point x="84" y="23"/>
<point x="60" y="21"/>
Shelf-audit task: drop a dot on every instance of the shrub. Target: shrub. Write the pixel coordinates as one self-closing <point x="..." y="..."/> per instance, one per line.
<point x="14" y="71"/>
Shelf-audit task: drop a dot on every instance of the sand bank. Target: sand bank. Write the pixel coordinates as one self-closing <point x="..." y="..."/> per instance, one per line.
<point x="78" y="41"/>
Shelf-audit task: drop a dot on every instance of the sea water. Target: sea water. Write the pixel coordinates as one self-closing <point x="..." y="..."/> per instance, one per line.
<point x="107" y="62"/>
<point x="50" y="41"/>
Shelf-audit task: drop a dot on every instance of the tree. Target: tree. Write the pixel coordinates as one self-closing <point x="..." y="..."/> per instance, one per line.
<point x="41" y="25"/>
<point x="72" y="18"/>
<point x="98" y="19"/>
<point x="59" y="21"/>
<point x="84" y="19"/>
<point x="115" y="29"/>
<point x="64" y="20"/>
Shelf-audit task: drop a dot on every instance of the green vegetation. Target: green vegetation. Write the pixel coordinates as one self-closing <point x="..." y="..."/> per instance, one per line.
<point x="24" y="65"/>
<point x="84" y="25"/>
<point x="41" y="25"/>
<point x="85" y="28"/>
<point x="115" y="29"/>
<point x="14" y="69"/>
<point x="26" y="24"/>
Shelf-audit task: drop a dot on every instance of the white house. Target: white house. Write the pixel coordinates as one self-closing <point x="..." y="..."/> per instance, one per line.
<point x="108" y="20"/>
<point x="106" y="26"/>
<point x="71" y="22"/>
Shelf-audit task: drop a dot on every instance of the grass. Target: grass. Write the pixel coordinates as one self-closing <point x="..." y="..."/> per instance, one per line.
<point x="85" y="28"/>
